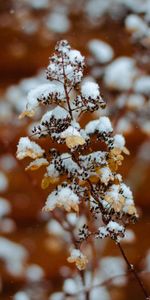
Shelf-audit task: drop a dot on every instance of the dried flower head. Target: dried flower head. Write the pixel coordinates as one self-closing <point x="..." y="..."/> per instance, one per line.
<point x="88" y="182"/>
<point x="77" y="257"/>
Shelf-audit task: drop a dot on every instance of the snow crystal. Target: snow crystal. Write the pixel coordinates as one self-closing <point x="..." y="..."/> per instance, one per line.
<point x="28" y="148"/>
<point x="102" y="51"/>
<point x="121" y="65"/>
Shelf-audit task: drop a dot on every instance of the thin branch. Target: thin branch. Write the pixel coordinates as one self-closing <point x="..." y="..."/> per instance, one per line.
<point x="134" y="272"/>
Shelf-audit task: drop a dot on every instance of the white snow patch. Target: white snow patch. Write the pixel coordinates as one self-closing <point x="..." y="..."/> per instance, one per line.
<point x="102" y="51"/>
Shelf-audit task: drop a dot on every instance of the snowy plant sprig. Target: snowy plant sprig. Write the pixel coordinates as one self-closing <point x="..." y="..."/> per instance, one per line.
<point x="86" y="181"/>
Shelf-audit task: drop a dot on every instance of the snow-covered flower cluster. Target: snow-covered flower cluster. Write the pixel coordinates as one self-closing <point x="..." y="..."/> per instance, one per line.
<point x="82" y="168"/>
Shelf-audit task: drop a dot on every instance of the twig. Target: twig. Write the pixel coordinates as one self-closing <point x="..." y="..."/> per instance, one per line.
<point x="134" y="272"/>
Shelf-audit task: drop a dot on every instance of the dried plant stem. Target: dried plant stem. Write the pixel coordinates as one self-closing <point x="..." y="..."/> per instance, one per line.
<point x="134" y="272"/>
